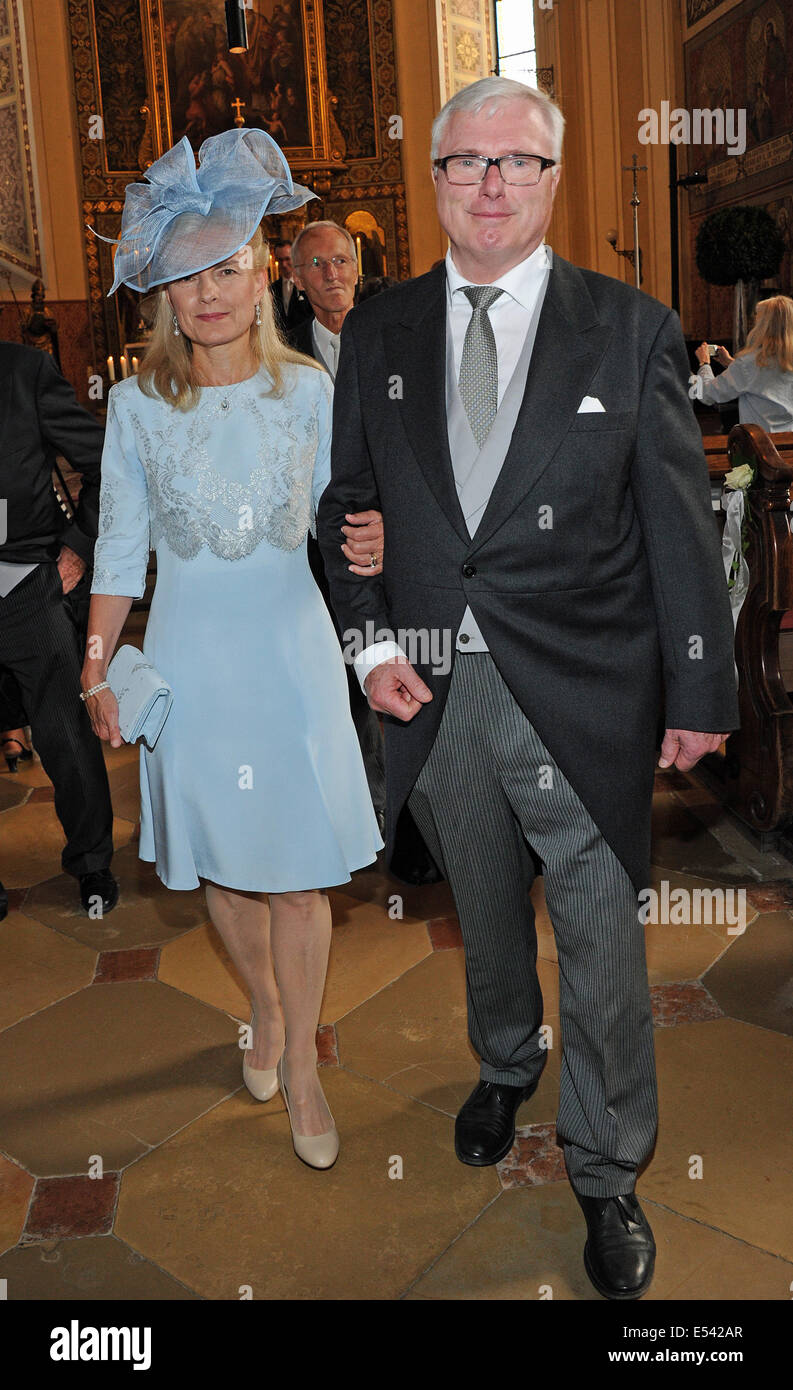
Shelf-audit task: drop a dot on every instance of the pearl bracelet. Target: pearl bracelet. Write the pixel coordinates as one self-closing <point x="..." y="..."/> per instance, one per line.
<point x="84" y="694"/>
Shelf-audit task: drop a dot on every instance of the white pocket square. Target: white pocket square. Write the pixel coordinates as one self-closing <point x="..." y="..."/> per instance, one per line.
<point x="591" y="403"/>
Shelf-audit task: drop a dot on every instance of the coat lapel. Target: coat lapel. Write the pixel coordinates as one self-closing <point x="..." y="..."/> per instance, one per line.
<point x="415" y="351"/>
<point x="568" y="348"/>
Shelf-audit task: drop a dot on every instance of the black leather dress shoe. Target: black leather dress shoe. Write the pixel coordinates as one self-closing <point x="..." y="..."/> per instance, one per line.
<point x="102" y="885"/>
<point x="3" y="902"/>
<point x="619" y="1255"/>
<point x="485" y="1128"/>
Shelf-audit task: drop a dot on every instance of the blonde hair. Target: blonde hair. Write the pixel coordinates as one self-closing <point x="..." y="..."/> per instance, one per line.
<point x="771" y="337"/>
<point x="167" y="366"/>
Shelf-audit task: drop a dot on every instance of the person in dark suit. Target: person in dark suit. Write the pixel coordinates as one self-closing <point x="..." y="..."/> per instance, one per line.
<point x="290" y="303"/>
<point x="326" y="271"/>
<point x="551" y="565"/>
<point x="43" y="557"/>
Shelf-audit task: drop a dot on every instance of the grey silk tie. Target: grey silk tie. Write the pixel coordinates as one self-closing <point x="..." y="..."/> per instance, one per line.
<point x="479" y="363"/>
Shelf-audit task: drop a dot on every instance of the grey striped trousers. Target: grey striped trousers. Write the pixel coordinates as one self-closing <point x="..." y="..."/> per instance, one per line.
<point x="488" y="786"/>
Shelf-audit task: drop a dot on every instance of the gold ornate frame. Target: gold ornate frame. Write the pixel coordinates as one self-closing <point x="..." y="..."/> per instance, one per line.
<point x="325" y="150"/>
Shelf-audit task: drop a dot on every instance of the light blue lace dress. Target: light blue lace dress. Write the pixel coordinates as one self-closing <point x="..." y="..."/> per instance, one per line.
<point x="256" y="781"/>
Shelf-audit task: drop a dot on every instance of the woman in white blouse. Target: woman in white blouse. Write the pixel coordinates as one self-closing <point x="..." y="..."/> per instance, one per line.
<point x="761" y="376"/>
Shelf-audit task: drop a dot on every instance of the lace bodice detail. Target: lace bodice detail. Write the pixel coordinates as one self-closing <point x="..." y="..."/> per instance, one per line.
<point x="227" y="478"/>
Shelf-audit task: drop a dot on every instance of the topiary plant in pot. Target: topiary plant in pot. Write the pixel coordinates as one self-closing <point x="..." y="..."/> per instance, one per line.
<point x="739" y="246"/>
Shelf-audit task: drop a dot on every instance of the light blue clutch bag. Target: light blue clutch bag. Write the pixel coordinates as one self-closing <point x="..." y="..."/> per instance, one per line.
<point x="144" y="698"/>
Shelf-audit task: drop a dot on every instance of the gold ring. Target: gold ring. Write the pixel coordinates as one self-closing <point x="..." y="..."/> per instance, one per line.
<point x="373" y="560"/>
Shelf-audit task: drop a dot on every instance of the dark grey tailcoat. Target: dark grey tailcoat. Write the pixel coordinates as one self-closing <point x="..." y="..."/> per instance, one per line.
<point x="599" y="624"/>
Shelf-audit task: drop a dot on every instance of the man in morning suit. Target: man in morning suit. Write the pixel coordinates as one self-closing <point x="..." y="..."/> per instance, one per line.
<point x="524" y="427"/>
<point x="289" y="302"/>
<point x="43" y="556"/>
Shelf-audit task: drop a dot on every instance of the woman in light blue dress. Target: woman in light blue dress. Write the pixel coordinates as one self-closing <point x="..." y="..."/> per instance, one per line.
<point x="215" y="456"/>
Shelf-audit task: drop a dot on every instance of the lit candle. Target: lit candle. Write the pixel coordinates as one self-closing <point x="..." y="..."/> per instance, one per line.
<point x="124" y="367"/>
<point x="135" y="365"/>
<point x="358" y="249"/>
<point x="111" y="370"/>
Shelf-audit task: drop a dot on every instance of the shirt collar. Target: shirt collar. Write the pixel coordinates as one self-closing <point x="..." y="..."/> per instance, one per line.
<point x="324" y="335"/>
<point x="520" y="283"/>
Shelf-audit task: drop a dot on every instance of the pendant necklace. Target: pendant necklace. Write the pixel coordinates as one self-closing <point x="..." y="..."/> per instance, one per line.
<point x="225" y="400"/>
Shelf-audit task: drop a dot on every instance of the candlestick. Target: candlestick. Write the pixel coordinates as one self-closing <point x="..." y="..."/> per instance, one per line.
<point x="358" y="249"/>
<point x="111" y="370"/>
<point x="124" y="368"/>
<point x="135" y="365"/>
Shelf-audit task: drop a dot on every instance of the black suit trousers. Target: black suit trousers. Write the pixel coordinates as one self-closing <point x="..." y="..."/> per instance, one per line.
<point x="41" y="647"/>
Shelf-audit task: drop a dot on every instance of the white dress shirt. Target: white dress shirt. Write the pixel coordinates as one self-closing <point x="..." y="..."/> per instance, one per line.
<point x="510" y="316"/>
<point x="326" y="344"/>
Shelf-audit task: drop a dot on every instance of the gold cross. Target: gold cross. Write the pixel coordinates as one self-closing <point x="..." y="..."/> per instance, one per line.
<point x="238" y="119"/>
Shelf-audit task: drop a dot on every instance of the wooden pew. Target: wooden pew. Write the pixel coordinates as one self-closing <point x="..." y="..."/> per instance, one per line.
<point x="715" y="446"/>
<point x="757" y="771"/>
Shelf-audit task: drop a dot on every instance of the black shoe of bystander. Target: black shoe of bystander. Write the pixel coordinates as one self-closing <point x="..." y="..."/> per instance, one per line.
<point x="102" y="885"/>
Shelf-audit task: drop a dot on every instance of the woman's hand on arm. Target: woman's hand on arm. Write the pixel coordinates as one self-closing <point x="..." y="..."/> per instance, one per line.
<point x="365" y="540"/>
<point x="106" y="618"/>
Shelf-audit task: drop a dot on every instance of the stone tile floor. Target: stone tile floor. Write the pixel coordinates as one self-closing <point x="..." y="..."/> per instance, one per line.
<point x="135" y="1165"/>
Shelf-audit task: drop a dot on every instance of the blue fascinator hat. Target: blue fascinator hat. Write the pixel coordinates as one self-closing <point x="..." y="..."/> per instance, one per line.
<point x="185" y="219"/>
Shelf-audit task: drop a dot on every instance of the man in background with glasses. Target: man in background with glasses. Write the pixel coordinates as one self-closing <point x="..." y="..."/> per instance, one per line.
<point x="522" y="426"/>
<point x="325" y="268"/>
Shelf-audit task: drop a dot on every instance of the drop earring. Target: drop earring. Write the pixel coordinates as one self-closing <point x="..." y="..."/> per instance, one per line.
<point x="175" y="326"/>
<point x="258" y="314"/>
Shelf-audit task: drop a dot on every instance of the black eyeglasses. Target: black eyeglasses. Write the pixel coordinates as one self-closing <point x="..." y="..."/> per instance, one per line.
<point x="521" y="169"/>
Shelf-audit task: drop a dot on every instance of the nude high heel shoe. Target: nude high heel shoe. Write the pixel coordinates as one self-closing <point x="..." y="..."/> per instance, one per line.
<point x="317" y="1150"/>
<point x="262" y="1083"/>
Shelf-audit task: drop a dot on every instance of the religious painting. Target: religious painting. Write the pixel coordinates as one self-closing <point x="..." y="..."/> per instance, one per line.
<point x="698" y="14"/>
<point x="769" y="84"/>
<point x="209" y="88"/>
<point x="713" y="91"/>
<point x="698" y="9"/>
<point x="740" y="63"/>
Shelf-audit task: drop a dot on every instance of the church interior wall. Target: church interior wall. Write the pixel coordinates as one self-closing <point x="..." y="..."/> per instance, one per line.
<point x="603" y="60"/>
<point x="609" y="60"/>
<point x="733" y="58"/>
<point x="55" y="185"/>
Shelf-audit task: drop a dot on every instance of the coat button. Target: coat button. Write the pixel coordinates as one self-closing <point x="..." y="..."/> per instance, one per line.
<point x="464" y="637"/>
<point x="469" y="571"/>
